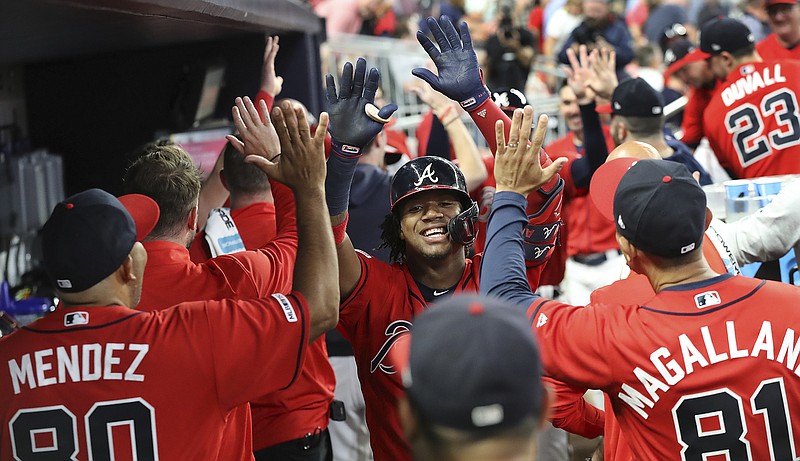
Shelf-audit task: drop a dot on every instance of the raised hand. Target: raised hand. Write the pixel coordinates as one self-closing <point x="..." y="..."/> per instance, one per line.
<point x="459" y="77"/>
<point x="351" y="125"/>
<point x="516" y="164"/>
<point x="580" y="74"/>
<point x="604" y="67"/>
<point x="270" y="82"/>
<point x="301" y="164"/>
<point x="258" y="133"/>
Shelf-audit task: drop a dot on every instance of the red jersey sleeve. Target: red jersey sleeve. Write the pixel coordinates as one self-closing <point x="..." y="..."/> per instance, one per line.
<point x="571" y="412"/>
<point x="573" y="347"/>
<point x="270" y="268"/>
<point x="273" y="332"/>
<point x="692" y="122"/>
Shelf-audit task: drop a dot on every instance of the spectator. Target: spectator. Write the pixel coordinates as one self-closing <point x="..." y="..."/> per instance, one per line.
<point x="601" y="29"/>
<point x="784" y="20"/>
<point x="481" y="402"/>
<point x="755" y="17"/>
<point x="561" y="25"/>
<point x="664" y="14"/>
<point x="509" y="54"/>
<point x="649" y="63"/>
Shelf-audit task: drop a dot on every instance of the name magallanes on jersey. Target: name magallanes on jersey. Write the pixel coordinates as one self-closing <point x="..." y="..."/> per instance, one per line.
<point x="672" y="366"/>
<point x="77" y="363"/>
<point x="750" y="82"/>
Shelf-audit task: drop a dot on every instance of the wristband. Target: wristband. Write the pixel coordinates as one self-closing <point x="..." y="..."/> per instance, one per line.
<point x="341" y="168"/>
<point x="340" y="230"/>
<point x="475" y="101"/>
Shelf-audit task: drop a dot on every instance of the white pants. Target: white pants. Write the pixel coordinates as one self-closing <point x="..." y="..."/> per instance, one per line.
<point x="349" y="438"/>
<point x="580" y="280"/>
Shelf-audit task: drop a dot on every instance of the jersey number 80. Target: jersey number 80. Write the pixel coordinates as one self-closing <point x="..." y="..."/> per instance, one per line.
<point x="61" y="425"/>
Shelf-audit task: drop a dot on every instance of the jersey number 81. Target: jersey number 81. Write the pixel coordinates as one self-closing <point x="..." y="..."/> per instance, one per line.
<point x="730" y="436"/>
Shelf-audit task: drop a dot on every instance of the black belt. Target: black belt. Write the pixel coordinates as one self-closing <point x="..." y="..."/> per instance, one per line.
<point x="593" y="259"/>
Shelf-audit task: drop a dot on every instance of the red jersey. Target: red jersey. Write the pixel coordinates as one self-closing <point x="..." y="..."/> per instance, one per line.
<point x="584" y="230"/>
<point x="692" y="122"/>
<point x="378" y="313"/>
<point x="256" y="225"/>
<point x="115" y="383"/>
<point x="697" y="369"/>
<point x="752" y="122"/>
<point x="770" y="49"/>
<point x="171" y="278"/>
<point x="484" y="196"/>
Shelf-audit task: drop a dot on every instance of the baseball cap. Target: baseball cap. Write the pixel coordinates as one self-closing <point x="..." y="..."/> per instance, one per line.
<point x="472" y="364"/>
<point x="634" y="98"/>
<point x="769" y="3"/>
<point x="89" y="235"/>
<point x="725" y="34"/>
<point x="679" y="54"/>
<point x="509" y="99"/>
<point x="656" y="204"/>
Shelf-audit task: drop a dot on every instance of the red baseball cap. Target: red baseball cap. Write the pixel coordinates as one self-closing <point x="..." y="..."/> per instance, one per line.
<point x="769" y="3"/>
<point x="604" y="184"/>
<point x="144" y="211"/>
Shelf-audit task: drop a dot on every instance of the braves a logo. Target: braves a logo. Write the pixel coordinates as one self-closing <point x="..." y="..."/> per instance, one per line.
<point x="428" y="174"/>
<point x="549" y="230"/>
<point x="395" y="331"/>
<point x="540" y="251"/>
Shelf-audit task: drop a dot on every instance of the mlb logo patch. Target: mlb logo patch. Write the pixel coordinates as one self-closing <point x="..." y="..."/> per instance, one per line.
<point x="707" y="299"/>
<point x="72" y="319"/>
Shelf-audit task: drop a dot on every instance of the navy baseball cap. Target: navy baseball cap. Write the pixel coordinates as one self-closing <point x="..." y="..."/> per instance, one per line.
<point x="725" y="34"/>
<point x="472" y="364"/>
<point x="679" y="54"/>
<point x="634" y="98"/>
<point x="89" y="235"/>
<point x="656" y="204"/>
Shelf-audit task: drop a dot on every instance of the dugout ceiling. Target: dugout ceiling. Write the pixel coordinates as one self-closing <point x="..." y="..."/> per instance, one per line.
<point x="44" y="30"/>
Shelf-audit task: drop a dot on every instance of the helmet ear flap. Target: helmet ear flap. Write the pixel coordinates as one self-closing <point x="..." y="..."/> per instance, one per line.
<point x="462" y="228"/>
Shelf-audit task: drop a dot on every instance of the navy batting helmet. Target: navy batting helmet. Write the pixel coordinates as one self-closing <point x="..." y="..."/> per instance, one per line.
<point x="432" y="173"/>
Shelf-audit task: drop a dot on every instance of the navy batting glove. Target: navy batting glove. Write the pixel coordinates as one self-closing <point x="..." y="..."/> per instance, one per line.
<point x="350" y="127"/>
<point x="456" y="63"/>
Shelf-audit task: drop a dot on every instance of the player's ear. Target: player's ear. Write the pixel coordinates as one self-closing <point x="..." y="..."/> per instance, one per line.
<point x="224" y="180"/>
<point x="126" y="269"/>
<point x="191" y="219"/>
<point x="709" y="217"/>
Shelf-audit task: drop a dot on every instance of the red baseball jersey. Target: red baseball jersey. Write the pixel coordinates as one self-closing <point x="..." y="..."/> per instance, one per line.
<point x="379" y="313"/>
<point x="752" y="122"/>
<point x="770" y="49"/>
<point x="115" y="383"/>
<point x="484" y="195"/>
<point x="692" y="122"/>
<point x="256" y="224"/>
<point x="171" y="278"/>
<point x="698" y="370"/>
<point x="588" y="231"/>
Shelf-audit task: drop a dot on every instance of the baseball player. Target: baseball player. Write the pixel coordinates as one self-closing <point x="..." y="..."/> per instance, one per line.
<point x="431" y="222"/>
<point x="752" y="123"/>
<point x="696" y="370"/>
<point x="98" y="380"/>
<point x="783" y="17"/>
<point x="686" y="62"/>
<point x="172" y="278"/>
